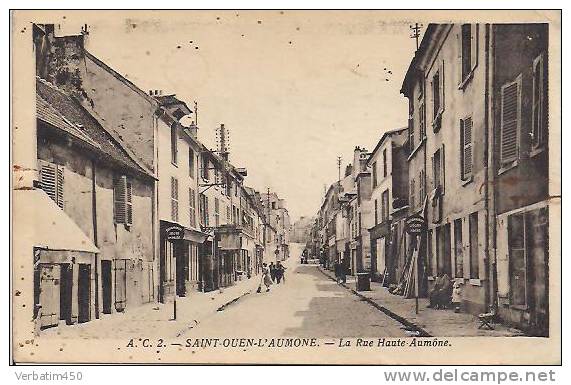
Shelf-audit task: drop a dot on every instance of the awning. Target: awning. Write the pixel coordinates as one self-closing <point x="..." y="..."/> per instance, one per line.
<point x="45" y="225"/>
<point x="194" y="235"/>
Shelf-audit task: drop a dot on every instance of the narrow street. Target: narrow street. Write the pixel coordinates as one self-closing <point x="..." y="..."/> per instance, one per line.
<point x="308" y="305"/>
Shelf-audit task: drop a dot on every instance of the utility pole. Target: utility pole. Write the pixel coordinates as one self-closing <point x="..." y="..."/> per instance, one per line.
<point x="339" y="168"/>
<point x="415" y="32"/>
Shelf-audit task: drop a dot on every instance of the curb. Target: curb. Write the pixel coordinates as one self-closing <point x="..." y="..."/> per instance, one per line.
<point x="410" y="325"/>
<point x="220" y="308"/>
<point x="225" y="305"/>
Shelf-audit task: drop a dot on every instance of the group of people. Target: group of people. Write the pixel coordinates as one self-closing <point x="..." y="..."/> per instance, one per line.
<point x="273" y="273"/>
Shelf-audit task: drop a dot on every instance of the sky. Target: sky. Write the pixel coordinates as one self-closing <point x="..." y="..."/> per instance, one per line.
<point x="295" y="88"/>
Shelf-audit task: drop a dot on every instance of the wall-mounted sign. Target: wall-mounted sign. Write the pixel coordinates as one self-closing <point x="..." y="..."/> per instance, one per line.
<point x="415" y="224"/>
<point x="175" y="233"/>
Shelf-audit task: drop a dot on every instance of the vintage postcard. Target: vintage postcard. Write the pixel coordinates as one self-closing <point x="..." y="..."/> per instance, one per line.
<point x="286" y="187"/>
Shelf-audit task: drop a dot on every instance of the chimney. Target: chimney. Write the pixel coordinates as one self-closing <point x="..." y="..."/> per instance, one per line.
<point x="348" y="169"/>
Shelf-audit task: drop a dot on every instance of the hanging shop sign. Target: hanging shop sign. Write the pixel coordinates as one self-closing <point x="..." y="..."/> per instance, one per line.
<point x="175" y="233"/>
<point x="415" y="224"/>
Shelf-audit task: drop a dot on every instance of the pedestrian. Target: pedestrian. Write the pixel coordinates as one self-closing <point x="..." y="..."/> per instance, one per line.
<point x="337" y="271"/>
<point x="279" y="272"/>
<point x="343" y="271"/>
<point x="272" y="271"/>
<point x="266" y="278"/>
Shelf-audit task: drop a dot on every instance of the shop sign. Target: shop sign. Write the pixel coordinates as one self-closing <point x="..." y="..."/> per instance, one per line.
<point x="415" y="224"/>
<point x="175" y="233"/>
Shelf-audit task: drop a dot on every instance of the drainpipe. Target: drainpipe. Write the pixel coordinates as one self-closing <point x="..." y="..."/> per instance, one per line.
<point x="489" y="203"/>
<point x="94" y="214"/>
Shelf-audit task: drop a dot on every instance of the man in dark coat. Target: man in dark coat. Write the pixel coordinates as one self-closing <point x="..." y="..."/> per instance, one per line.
<point x="273" y="271"/>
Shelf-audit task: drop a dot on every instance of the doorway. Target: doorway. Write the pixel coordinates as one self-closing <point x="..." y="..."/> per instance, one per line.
<point x="65" y="293"/>
<point x="84" y="293"/>
<point x="106" y="285"/>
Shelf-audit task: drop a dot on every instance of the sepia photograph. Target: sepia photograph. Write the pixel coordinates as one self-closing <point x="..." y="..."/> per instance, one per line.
<point x="322" y="187"/>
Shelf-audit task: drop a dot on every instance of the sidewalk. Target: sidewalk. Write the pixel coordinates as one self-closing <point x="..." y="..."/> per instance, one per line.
<point x="438" y="323"/>
<point x="155" y="319"/>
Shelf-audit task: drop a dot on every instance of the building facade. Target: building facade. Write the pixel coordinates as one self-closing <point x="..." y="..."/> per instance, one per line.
<point x="389" y="170"/>
<point x="109" y="197"/>
<point x="479" y="165"/>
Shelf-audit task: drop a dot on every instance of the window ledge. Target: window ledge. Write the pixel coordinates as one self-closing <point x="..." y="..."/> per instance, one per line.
<point x="466" y="80"/>
<point x="475" y="282"/>
<point x="467" y="181"/>
<point x="420" y="144"/>
<point x="507" y="167"/>
<point x="519" y="307"/>
<point x="437" y="122"/>
<point x="536" y="151"/>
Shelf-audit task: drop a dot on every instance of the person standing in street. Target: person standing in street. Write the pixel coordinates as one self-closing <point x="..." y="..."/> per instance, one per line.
<point x="337" y="271"/>
<point x="343" y="271"/>
<point x="279" y="272"/>
<point x="266" y="278"/>
<point x="272" y="271"/>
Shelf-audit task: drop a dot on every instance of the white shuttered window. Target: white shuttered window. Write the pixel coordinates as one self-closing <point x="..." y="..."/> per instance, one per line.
<point x="466" y="148"/>
<point x="52" y="181"/>
<point x="174" y="199"/>
<point x="510" y="121"/>
<point x="123" y="200"/>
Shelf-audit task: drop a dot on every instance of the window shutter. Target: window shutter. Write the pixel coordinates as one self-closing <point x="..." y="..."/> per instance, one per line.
<point x="174" y="199"/>
<point x="119" y="195"/>
<point x="537" y="128"/>
<point x="459" y="56"/>
<point x="206" y="219"/>
<point x="191" y="162"/>
<point x="510" y="120"/>
<point x="442" y="169"/>
<point x="192" y="207"/>
<point x="441" y="77"/>
<point x="129" y="204"/>
<point x="474" y="45"/>
<point x="51" y="181"/>
<point x="467" y="148"/>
